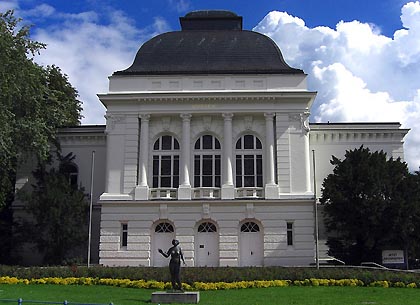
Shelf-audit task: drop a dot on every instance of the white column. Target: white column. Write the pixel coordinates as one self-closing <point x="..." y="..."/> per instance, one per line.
<point x="142" y="190"/>
<point x="184" y="190"/>
<point x="271" y="188"/>
<point x="228" y="189"/>
<point x="115" y="134"/>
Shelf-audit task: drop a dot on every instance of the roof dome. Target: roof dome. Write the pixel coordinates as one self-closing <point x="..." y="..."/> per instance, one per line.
<point x="210" y="42"/>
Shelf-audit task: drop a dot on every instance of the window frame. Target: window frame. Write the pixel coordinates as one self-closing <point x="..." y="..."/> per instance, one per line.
<point x="290" y="238"/>
<point x="249" y="158"/>
<point x="160" y="155"/>
<point x="124" y="236"/>
<point x="204" y="156"/>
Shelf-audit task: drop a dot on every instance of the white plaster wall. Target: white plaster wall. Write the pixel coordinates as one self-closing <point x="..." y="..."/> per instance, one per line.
<point x="332" y="139"/>
<point x="125" y="83"/>
<point x="142" y="216"/>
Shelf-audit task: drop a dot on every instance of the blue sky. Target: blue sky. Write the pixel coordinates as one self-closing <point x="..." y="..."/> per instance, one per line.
<point x="361" y="56"/>
<point x="384" y="14"/>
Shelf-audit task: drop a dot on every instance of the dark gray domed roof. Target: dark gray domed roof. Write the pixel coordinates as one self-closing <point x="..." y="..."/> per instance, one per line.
<point x="210" y="42"/>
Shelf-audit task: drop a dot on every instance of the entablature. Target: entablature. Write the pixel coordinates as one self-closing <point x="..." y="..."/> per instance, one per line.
<point x="357" y="132"/>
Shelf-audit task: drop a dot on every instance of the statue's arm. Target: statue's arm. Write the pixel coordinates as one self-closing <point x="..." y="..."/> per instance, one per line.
<point x="163" y="253"/>
<point x="182" y="256"/>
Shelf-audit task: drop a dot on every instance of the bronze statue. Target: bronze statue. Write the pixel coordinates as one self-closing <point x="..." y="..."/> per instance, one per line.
<point x="175" y="264"/>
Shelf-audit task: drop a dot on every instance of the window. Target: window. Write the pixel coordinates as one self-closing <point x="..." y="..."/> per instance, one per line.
<point x="71" y="171"/>
<point x="207" y="162"/>
<point x="164" y="227"/>
<point x="124" y="236"/>
<point x="250" y="227"/>
<point x="166" y="162"/>
<point x="249" y="164"/>
<point x="207" y="227"/>
<point x="290" y="233"/>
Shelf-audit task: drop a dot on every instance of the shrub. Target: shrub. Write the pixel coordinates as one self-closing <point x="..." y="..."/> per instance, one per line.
<point x="190" y="275"/>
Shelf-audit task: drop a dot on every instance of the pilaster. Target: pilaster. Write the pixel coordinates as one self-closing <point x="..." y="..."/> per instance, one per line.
<point x="271" y="188"/>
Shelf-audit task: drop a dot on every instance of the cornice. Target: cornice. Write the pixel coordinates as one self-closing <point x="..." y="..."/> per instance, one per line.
<point x="371" y="135"/>
<point x="193" y="96"/>
<point x="82" y="134"/>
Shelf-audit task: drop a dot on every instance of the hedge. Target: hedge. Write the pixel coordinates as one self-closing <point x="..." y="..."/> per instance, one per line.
<point x="191" y="275"/>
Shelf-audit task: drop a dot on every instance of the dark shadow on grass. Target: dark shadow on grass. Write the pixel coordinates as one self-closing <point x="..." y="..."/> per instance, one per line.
<point x="140" y="300"/>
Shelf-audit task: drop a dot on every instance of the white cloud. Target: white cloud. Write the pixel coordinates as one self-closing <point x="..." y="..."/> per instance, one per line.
<point x="360" y="74"/>
<point x="180" y="6"/>
<point x="88" y="47"/>
<point x="8" y="5"/>
<point x="40" y="11"/>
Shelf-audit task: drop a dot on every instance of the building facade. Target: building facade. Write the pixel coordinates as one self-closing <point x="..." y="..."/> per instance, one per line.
<point x="208" y="141"/>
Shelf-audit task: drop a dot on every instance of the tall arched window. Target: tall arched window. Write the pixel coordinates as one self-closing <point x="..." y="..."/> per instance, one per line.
<point x="207" y="162"/>
<point x="166" y="162"/>
<point x="249" y="165"/>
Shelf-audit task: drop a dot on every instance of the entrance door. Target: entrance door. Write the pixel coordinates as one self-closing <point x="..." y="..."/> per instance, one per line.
<point x="162" y="239"/>
<point x="207" y="245"/>
<point x="252" y="247"/>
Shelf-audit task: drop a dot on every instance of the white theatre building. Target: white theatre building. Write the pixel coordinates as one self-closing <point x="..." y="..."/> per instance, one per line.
<point x="208" y="141"/>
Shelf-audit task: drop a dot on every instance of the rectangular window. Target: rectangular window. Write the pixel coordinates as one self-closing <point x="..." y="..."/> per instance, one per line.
<point x="290" y="233"/>
<point x="124" y="236"/>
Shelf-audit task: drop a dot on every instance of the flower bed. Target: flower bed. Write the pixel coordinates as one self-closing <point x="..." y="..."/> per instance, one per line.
<point x="126" y="283"/>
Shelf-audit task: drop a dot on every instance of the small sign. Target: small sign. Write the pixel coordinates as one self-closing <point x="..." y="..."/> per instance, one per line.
<point x="392" y="257"/>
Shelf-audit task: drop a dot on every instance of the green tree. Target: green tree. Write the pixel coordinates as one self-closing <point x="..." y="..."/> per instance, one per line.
<point x="34" y="102"/>
<point x="371" y="203"/>
<point x="60" y="212"/>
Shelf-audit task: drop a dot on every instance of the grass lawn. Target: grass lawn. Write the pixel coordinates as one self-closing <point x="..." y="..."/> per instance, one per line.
<point x="262" y="296"/>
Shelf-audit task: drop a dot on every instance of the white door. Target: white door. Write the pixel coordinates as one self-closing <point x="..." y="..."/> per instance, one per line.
<point x="207" y="245"/>
<point x="252" y="247"/>
<point x="162" y="239"/>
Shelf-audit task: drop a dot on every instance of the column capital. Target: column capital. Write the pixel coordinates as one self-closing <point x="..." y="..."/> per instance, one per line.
<point x="227" y="116"/>
<point x="185" y="116"/>
<point x="269" y="115"/>
<point x="144" y="116"/>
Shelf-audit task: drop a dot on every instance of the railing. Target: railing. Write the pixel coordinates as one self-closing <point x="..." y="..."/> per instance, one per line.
<point x="20" y="301"/>
<point x="372" y="264"/>
<point x="206" y="193"/>
<point x="163" y="193"/>
<point x="249" y="192"/>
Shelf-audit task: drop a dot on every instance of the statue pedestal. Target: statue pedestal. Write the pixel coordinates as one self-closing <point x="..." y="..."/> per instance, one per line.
<point x="162" y="297"/>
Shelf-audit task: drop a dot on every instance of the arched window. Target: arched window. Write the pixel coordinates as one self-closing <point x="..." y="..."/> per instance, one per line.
<point x="164" y="227"/>
<point x="207" y="227"/>
<point x="166" y="162"/>
<point x="250" y="226"/>
<point x="249" y="172"/>
<point x="207" y="162"/>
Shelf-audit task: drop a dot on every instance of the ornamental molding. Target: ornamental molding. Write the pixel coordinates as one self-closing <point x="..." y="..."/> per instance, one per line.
<point x="112" y="120"/>
<point x="207" y="122"/>
<point x="166" y="123"/>
<point x="320" y="137"/>
<point x="206" y="211"/>
<point x="248" y="122"/>
<point x="304" y="119"/>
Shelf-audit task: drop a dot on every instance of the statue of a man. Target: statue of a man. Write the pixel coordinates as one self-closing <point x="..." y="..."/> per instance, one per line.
<point x="176" y="255"/>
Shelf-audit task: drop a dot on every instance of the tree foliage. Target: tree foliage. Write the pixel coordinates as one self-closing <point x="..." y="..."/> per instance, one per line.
<point x="34" y="102"/>
<point x="371" y="204"/>
<point x="60" y="212"/>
